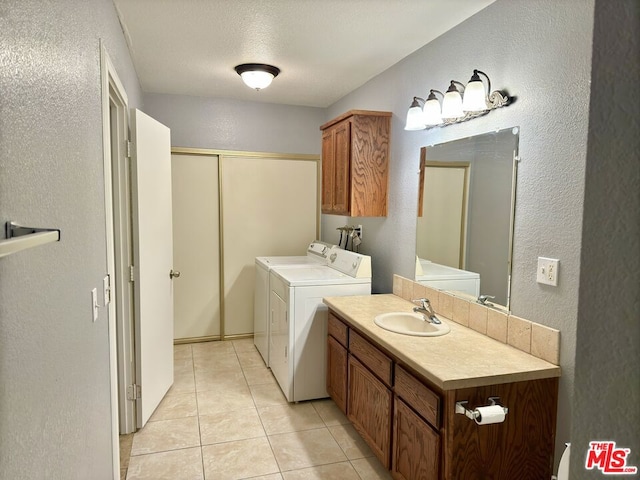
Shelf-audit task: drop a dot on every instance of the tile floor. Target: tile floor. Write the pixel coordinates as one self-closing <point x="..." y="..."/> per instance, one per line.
<point x="226" y="418"/>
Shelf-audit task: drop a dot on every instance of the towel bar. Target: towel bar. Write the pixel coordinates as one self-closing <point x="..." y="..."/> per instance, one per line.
<point x="21" y="238"/>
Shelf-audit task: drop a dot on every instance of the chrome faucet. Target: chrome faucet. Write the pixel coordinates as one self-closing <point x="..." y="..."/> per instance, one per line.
<point x="426" y="309"/>
<point x="482" y="299"/>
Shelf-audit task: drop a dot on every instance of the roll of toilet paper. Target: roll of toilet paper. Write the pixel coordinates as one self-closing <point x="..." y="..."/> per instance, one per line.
<point x="489" y="415"/>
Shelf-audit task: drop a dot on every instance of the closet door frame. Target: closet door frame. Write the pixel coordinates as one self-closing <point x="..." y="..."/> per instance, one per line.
<point x="229" y="155"/>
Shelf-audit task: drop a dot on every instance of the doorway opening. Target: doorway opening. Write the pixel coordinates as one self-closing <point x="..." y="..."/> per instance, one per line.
<point x="119" y="253"/>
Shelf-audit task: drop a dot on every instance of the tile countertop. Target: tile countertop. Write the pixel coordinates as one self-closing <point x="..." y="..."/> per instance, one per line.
<point x="460" y="359"/>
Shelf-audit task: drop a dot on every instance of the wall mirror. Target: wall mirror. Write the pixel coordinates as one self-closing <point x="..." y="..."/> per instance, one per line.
<point x="466" y="209"/>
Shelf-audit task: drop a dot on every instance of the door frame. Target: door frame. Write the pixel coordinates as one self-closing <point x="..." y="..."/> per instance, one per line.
<point x="121" y="372"/>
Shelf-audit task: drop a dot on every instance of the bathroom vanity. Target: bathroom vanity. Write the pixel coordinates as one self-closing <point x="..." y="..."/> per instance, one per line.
<point x="406" y="396"/>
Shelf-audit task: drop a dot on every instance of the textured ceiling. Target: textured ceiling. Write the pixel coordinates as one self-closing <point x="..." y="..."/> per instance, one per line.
<point x="324" y="48"/>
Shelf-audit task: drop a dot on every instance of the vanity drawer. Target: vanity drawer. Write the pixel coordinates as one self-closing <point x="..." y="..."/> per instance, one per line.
<point x="338" y="330"/>
<point x="419" y="396"/>
<point x="370" y="356"/>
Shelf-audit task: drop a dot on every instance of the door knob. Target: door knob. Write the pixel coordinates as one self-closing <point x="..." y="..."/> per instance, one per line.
<point x="174" y="273"/>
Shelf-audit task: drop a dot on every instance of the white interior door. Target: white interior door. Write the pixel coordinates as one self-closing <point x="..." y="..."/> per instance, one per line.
<point x="444" y="216"/>
<point x="153" y="257"/>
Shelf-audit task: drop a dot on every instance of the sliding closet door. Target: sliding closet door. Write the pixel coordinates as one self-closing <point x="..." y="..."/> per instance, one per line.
<point x="269" y="207"/>
<point x="196" y="241"/>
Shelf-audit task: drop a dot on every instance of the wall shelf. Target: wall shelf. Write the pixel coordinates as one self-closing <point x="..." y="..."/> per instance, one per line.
<point x="21" y="238"/>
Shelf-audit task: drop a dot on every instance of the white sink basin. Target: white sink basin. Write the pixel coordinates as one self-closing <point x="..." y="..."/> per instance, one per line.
<point x="410" y="324"/>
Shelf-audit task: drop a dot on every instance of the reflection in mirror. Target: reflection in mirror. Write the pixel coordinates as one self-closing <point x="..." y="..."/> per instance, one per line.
<point x="465" y="214"/>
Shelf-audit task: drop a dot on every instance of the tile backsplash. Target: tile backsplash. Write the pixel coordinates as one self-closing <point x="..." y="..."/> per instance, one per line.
<point x="530" y="337"/>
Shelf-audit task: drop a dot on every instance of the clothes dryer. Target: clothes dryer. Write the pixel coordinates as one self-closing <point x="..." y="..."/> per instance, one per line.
<point x="298" y="326"/>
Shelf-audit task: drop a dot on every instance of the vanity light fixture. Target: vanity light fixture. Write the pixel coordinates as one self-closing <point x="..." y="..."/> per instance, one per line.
<point x="456" y="108"/>
<point x="257" y="75"/>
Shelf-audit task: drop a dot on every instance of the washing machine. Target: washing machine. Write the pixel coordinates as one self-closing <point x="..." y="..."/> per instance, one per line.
<point x="298" y="319"/>
<point x="317" y="253"/>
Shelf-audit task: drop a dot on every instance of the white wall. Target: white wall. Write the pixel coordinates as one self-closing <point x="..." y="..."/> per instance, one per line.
<point x="54" y="361"/>
<point x="540" y="52"/>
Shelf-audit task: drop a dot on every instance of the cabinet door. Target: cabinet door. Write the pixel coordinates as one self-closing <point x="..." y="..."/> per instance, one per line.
<point x="369" y="409"/>
<point x="328" y="170"/>
<point x="337" y="373"/>
<point x="342" y="168"/>
<point x="416" y="446"/>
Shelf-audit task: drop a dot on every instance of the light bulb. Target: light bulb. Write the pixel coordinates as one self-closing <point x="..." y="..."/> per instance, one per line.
<point x="431" y="110"/>
<point x="452" y="103"/>
<point x="474" y="99"/>
<point x="256" y="79"/>
<point x="414" y="117"/>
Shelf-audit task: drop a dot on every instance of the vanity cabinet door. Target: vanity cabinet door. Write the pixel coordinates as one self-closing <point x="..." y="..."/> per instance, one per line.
<point x="416" y="446"/>
<point x="369" y="409"/>
<point x="337" y="373"/>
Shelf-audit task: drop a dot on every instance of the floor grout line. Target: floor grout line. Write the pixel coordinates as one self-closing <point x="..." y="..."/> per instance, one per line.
<point x="195" y="388"/>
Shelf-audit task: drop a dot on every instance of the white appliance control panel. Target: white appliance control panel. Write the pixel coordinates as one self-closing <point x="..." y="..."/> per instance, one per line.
<point x="319" y="248"/>
<point x="353" y="264"/>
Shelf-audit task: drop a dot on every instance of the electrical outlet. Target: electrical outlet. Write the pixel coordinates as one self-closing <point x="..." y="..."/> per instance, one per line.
<point x="94" y="303"/>
<point x="547" y="272"/>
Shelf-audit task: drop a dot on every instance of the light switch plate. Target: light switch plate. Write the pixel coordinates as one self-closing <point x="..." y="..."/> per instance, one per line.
<point x="547" y="272"/>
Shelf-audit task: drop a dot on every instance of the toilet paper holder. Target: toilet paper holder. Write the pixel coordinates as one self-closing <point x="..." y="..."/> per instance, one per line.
<point x="474" y="414"/>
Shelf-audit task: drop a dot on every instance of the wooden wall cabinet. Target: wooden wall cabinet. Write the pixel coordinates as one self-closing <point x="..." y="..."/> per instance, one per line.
<point x="355" y="163"/>
<point x="412" y="426"/>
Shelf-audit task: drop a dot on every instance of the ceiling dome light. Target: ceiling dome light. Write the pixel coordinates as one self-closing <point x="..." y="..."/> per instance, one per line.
<point x="257" y="75"/>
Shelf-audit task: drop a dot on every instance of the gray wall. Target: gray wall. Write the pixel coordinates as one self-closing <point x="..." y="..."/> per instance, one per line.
<point x="226" y="124"/>
<point x="540" y="52"/>
<point x="607" y="394"/>
<point x="54" y="361"/>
